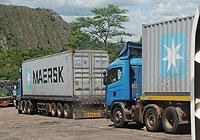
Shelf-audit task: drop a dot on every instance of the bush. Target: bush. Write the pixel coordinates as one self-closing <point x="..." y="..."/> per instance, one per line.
<point x="11" y="60"/>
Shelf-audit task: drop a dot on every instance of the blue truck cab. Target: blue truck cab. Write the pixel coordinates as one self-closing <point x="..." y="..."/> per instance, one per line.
<point x="123" y="81"/>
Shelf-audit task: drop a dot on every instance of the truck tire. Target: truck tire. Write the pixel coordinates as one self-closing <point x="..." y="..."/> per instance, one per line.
<point x="184" y="129"/>
<point x="53" y="110"/>
<point x="16" y="104"/>
<point x="139" y="125"/>
<point x="67" y="111"/>
<point x="60" y="110"/>
<point x="19" y="111"/>
<point x="170" y="120"/>
<point x="24" y="106"/>
<point x="19" y="107"/>
<point x="152" y="120"/>
<point x="29" y="108"/>
<point x="118" y="117"/>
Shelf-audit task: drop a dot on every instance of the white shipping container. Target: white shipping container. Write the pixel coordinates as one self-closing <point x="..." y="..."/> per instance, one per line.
<point x="65" y="74"/>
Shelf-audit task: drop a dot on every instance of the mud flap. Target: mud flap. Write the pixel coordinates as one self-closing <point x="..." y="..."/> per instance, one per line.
<point x="182" y="114"/>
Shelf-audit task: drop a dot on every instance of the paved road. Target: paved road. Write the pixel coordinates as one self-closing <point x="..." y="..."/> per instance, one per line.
<point x="36" y="127"/>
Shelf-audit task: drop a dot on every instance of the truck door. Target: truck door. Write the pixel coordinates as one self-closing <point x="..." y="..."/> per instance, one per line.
<point x="115" y="85"/>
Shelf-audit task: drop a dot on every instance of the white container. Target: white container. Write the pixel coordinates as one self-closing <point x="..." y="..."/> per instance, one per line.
<point x="66" y="74"/>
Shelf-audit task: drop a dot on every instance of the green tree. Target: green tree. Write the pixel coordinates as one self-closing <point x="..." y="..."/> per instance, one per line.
<point x="77" y="38"/>
<point x="140" y="41"/>
<point x="11" y="60"/>
<point x="104" y="27"/>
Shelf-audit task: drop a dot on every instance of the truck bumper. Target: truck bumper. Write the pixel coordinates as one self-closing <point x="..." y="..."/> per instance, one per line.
<point x="86" y="114"/>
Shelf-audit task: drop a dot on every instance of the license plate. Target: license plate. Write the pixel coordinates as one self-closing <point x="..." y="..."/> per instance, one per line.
<point x="92" y="114"/>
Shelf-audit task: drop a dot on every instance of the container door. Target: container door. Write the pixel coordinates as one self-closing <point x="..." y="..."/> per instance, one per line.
<point x="99" y="64"/>
<point x="82" y="72"/>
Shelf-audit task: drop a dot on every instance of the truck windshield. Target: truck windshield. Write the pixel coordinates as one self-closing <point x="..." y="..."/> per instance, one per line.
<point x="114" y="75"/>
<point x="135" y="52"/>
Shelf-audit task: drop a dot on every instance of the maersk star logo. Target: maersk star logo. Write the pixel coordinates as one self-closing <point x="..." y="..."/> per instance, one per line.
<point x="28" y="78"/>
<point x="172" y="55"/>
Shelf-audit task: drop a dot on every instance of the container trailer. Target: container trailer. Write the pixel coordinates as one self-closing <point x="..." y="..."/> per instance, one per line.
<point x="150" y="83"/>
<point x="66" y="84"/>
<point x="6" y="93"/>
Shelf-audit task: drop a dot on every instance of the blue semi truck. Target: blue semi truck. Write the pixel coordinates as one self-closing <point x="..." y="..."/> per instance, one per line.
<point x="149" y="84"/>
<point x="125" y="102"/>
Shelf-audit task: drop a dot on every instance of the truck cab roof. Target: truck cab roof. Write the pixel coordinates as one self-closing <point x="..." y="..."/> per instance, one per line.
<point x="132" y="51"/>
<point x="129" y="50"/>
<point x="133" y="62"/>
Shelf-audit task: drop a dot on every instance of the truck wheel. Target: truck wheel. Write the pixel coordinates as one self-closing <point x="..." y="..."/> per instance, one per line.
<point x="184" y="129"/>
<point x="152" y="120"/>
<point x="29" y="108"/>
<point x="53" y="110"/>
<point x="24" y="106"/>
<point x="19" y="111"/>
<point x="19" y="107"/>
<point x="118" y="117"/>
<point x="170" y="120"/>
<point x="139" y="125"/>
<point x="60" y="110"/>
<point x="67" y="111"/>
<point x="15" y="103"/>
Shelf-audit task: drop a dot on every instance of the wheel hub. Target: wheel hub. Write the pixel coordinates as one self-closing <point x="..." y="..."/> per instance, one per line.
<point x="151" y="120"/>
<point x="65" y="112"/>
<point x="118" y="116"/>
<point x="170" y="120"/>
<point x="59" y="112"/>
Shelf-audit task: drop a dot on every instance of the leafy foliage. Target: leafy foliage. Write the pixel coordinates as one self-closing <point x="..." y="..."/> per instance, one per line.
<point x="140" y="41"/>
<point x="11" y="60"/>
<point x="103" y="28"/>
<point x="78" y="39"/>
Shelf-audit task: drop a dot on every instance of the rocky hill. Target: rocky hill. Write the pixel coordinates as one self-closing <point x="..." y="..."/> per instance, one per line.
<point x="26" y="27"/>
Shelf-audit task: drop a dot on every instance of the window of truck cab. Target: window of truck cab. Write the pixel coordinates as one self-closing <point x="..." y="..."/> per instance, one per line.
<point x="114" y="75"/>
<point x="135" y="52"/>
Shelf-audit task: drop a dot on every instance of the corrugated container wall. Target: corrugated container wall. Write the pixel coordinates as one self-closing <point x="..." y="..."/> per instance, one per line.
<point x="78" y="74"/>
<point x="166" y="57"/>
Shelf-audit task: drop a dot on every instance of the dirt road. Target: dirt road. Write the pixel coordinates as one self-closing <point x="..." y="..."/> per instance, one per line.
<point x="37" y="127"/>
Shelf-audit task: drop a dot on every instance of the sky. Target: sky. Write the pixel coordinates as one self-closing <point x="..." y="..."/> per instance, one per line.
<point x="139" y="11"/>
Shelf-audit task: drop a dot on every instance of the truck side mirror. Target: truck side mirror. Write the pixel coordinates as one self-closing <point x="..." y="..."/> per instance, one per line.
<point x="105" y="78"/>
<point x="14" y="90"/>
<point x="14" y="87"/>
